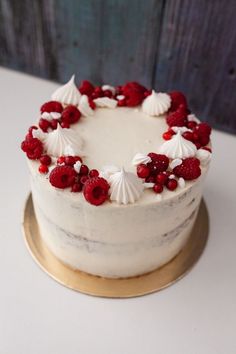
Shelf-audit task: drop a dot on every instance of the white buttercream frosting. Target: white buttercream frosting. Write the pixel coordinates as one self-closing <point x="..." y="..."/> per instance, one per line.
<point x="175" y="163"/>
<point x="125" y="187"/>
<point x="68" y="93"/>
<point x="84" y="106"/>
<point x="178" y="147"/>
<point x="69" y="151"/>
<point x="181" y="182"/>
<point x="141" y="158"/>
<point x="156" y="104"/>
<point x="105" y="102"/>
<point x="57" y="141"/>
<point x="204" y="156"/>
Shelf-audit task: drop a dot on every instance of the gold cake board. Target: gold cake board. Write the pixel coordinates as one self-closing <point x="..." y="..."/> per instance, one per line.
<point x="115" y="288"/>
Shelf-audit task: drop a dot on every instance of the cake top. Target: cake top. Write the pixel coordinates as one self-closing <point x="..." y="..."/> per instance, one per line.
<point x="113" y="143"/>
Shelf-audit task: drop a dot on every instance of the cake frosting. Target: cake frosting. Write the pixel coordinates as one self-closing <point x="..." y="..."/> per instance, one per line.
<point x="116" y="190"/>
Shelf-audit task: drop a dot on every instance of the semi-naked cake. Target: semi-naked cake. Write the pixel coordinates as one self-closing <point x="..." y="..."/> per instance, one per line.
<point x="116" y="176"/>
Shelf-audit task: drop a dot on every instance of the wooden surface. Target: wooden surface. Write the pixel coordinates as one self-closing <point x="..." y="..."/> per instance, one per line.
<point x="189" y="45"/>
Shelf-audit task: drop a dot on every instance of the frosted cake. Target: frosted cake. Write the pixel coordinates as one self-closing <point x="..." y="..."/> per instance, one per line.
<point x="116" y="176"/>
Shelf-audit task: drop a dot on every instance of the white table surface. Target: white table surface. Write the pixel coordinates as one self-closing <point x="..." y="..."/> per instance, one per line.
<point x="197" y="315"/>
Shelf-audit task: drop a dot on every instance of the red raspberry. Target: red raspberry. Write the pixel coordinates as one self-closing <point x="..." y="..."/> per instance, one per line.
<point x="171" y="184"/>
<point x="158" y="188"/>
<point x="147" y="93"/>
<point x="134" y="93"/>
<point x="191" y="125"/>
<point x="143" y="171"/>
<point x="177" y="118"/>
<point x="53" y="124"/>
<point x="43" y="169"/>
<point x="30" y="131"/>
<point x="70" y="114"/>
<point x="93" y="173"/>
<point x="51" y="106"/>
<point x="98" y="92"/>
<point x="62" y="176"/>
<point x="159" y="162"/>
<point x="33" y="148"/>
<point x="86" y="88"/>
<point x="76" y="187"/>
<point x="96" y="190"/>
<point x="83" y="179"/>
<point x="177" y="99"/>
<point x="44" y="124"/>
<point x="133" y="87"/>
<point x="203" y="130"/>
<point x="45" y="160"/>
<point x="189" y="169"/>
<point x="65" y="125"/>
<point x="107" y="93"/>
<point x="134" y="99"/>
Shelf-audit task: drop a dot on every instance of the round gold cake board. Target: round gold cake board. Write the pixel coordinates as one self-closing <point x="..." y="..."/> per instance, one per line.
<point x="116" y="288"/>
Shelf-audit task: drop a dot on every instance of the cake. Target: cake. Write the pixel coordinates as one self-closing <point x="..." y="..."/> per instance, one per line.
<point x="116" y="176"/>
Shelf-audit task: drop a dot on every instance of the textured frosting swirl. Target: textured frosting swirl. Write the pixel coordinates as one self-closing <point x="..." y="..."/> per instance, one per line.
<point x="178" y="147"/>
<point x="68" y="93"/>
<point x="125" y="187"/>
<point x="84" y="106"/>
<point x="156" y="104"/>
<point x="141" y="158"/>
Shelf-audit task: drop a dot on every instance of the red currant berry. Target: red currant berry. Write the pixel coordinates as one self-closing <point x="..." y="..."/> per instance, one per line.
<point x="150" y="179"/>
<point x="45" y="160"/>
<point x="195" y="137"/>
<point x="172" y="184"/>
<point x="69" y="160"/>
<point x="143" y="171"/>
<point x="191" y="125"/>
<point x="167" y="135"/>
<point x="93" y="173"/>
<point x="158" y="188"/>
<point x="43" y="169"/>
<point x="107" y="93"/>
<point x="61" y="160"/>
<point x="77" y="187"/>
<point x="121" y="103"/>
<point x="161" y="178"/>
<point x="83" y="179"/>
<point x="44" y="124"/>
<point x="188" y="136"/>
<point x="84" y="170"/>
<point x="78" y="158"/>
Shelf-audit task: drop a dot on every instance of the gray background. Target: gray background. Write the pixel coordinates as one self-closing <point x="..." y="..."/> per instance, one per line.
<point x="188" y="45"/>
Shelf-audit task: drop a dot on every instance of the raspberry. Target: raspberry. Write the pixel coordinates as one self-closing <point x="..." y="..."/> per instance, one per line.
<point x="44" y="124"/>
<point x="158" y="188"/>
<point x="62" y="176"/>
<point x="83" y="179"/>
<point x="134" y="93"/>
<point x="51" y="106"/>
<point x="177" y="99"/>
<point x="65" y="125"/>
<point x="86" y="88"/>
<point x="69" y="160"/>
<point x="70" y="114"/>
<point x="93" y="173"/>
<point x="43" y="169"/>
<point x="107" y="93"/>
<point x="159" y="162"/>
<point x="172" y="184"/>
<point x="96" y="190"/>
<point x="189" y="169"/>
<point x="203" y="130"/>
<point x="177" y="118"/>
<point x="98" y="92"/>
<point x="191" y="125"/>
<point x="143" y="171"/>
<point x="53" y="124"/>
<point x="45" y="160"/>
<point x="76" y="187"/>
<point x="33" y="148"/>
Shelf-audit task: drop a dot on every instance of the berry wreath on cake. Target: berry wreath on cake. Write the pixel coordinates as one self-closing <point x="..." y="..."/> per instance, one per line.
<point x="116" y="176"/>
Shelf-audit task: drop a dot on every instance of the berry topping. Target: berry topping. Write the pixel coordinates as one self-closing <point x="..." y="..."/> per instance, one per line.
<point x="61" y="160"/>
<point x="93" y="173"/>
<point x="121" y="103"/>
<point x="62" y="176"/>
<point x="177" y="118"/>
<point x="143" y="171"/>
<point x="188" y="136"/>
<point x="203" y="131"/>
<point x="86" y="88"/>
<point x="96" y="190"/>
<point x="159" y="162"/>
<point x="189" y="169"/>
<point x="65" y="125"/>
<point x="191" y="125"/>
<point x="83" y="179"/>
<point x="70" y="114"/>
<point x="76" y="187"/>
<point x="162" y="178"/>
<point x="158" y="188"/>
<point x="53" y="124"/>
<point x="44" y="124"/>
<point x="43" y="169"/>
<point x="167" y="135"/>
<point x="51" y="106"/>
<point x="33" y="148"/>
<point x="84" y="170"/>
<point x="177" y="99"/>
<point x="171" y="184"/>
<point x="45" y="160"/>
<point x="134" y="93"/>
<point x="69" y="160"/>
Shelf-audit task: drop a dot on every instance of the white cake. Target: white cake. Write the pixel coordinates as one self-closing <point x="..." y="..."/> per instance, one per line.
<point x="138" y="227"/>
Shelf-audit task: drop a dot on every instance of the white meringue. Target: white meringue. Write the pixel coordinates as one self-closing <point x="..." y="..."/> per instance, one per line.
<point x="68" y="93"/>
<point x="125" y="187"/>
<point x="175" y="163"/>
<point x="69" y="151"/>
<point x="108" y="170"/>
<point x="77" y="166"/>
<point x="51" y="115"/>
<point x="109" y="88"/>
<point x="192" y="118"/>
<point x="156" y="104"/>
<point x="141" y="158"/>
<point x="180" y="129"/>
<point x="181" y="182"/>
<point x="56" y="141"/>
<point x="178" y="147"/>
<point x="39" y="134"/>
<point x="105" y="102"/>
<point x="204" y="156"/>
<point x="84" y="106"/>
